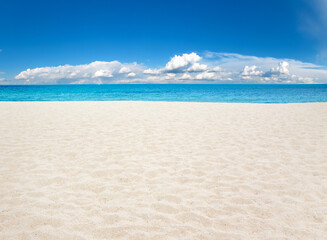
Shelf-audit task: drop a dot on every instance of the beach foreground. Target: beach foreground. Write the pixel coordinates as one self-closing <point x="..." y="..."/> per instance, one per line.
<point x="155" y="170"/>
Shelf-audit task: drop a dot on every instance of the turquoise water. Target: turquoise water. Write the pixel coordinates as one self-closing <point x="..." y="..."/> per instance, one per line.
<point x="236" y="93"/>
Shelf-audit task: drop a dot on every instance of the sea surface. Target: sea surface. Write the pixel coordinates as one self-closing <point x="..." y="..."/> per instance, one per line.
<point x="236" y="93"/>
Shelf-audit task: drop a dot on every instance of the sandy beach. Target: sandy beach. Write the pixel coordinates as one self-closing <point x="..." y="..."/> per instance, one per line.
<point x="156" y="170"/>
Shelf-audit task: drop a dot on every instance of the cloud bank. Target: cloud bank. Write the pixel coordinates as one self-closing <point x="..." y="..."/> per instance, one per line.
<point x="95" y="72"/>
<point x="210" y="67"/>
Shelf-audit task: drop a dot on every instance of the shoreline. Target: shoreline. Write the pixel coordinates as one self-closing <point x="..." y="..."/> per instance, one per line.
<point x="140" y="101"/>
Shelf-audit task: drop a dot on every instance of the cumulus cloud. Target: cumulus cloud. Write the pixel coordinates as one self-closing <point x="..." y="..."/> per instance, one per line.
<point x="281" y="69"/>
<point x="180" y="63"/>
<point x="196" y="67"/>
<point x="125" y="70"/>
<point x="186" y="76"/>
<point x="272" y="70"/>
<point x="131" y="74"/>
<point x="94" y="72"/>
<point x="251" y="71"/>
<point x="152" y="71"/>
<point x="102" y="73"/>
<point x="186" y="68"/>
<point x="207" y="75"/>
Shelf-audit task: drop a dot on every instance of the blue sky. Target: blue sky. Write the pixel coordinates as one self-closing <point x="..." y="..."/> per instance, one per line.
<point x="264" y="34"/>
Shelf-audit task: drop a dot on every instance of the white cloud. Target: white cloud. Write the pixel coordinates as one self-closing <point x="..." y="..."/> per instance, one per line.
<point x="206" y="75"/>
<point x="152" y="71"/>
<point x="180" y="63"/>
<point x="95" y="72"/>
<point x="125" y="70"/>
<point x="92" y="70"/>
<point x="100" y="73"/>
<point x="217" y="69"/>
<point x="170" y="76"/>
<point x="186" y="76"/>
<point x="196" y="67"/>
<point x="251" y="71"/>
<point x="281" y="69"/>
<point x="188" y="67"/>
<point x="274" y="70"/>
<point x="131" y="74"/>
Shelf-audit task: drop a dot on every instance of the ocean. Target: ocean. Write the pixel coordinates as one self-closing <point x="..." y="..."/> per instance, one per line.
<point x="234" y="93"/>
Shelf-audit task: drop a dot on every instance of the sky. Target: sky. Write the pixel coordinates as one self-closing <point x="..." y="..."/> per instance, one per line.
<point x="208" y="41"/>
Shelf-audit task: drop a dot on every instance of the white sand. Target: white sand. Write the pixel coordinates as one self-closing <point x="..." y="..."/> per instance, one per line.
<point x="144" y="170"/>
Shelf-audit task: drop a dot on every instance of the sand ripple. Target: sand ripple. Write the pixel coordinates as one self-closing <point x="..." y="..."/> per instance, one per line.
<point x="134" y="170"/>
